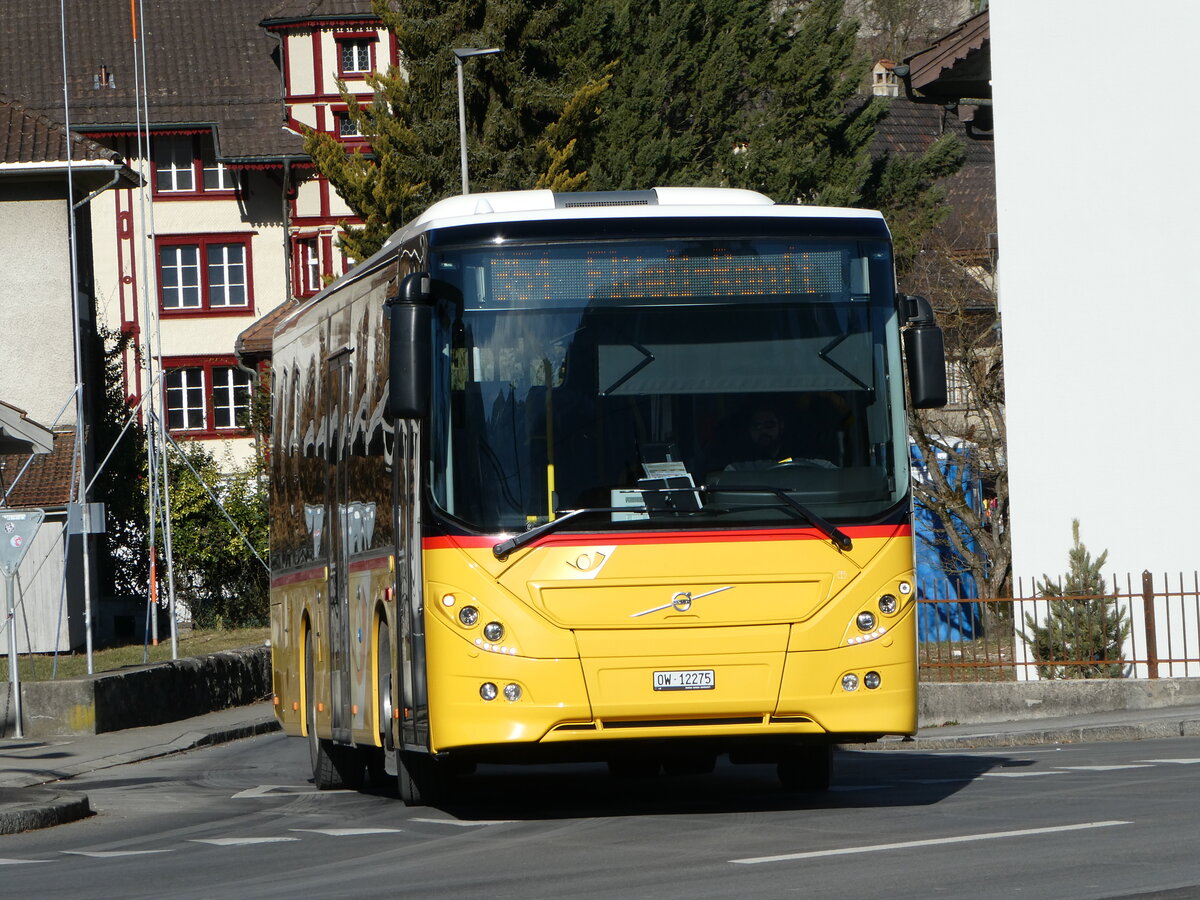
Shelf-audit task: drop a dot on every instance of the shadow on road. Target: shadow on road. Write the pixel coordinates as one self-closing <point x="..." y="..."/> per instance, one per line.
<point x="861" y="780"/>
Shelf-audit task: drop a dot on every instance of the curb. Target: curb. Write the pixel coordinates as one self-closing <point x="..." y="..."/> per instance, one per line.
<point x="1165" y="728"/>
<point x="24" y="809"/>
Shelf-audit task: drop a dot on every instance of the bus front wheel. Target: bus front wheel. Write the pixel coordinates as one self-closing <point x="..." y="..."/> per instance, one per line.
<point x="422" y="780"/>
<point x="807" y="768"/>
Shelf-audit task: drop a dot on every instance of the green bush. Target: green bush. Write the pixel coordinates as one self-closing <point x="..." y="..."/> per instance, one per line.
<point x="217" y="575"/>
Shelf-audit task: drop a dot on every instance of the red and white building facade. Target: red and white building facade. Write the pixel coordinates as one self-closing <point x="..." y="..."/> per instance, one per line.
<point x="232" y="222"/>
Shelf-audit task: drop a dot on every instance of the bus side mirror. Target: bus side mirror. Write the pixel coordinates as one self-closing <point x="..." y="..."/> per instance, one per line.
<point x="410" y="315"/>
<point x="924" y="354"/>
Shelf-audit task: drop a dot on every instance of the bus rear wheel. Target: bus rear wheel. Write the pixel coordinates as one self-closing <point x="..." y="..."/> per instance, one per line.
<point x="332" y="766"/>
<point x="808" y="768"/>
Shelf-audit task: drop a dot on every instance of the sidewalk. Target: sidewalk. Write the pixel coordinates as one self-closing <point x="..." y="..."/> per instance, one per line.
<point x="33" y="772"/>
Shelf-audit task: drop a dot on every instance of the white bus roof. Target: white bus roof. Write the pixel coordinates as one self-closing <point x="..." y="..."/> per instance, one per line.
<point x="532" y="206"/>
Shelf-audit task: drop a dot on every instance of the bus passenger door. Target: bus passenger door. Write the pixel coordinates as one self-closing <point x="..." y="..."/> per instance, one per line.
<point x="338" y="490"/>
<point x="413" y="691"/>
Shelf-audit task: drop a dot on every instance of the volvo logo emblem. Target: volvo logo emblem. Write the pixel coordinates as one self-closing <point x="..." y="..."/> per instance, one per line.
<point x="681" y="601"/>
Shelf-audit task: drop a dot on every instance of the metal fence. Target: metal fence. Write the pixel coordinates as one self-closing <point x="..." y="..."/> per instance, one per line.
<point x="1143" y="628"/>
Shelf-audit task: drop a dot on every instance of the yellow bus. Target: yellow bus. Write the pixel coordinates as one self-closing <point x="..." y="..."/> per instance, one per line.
<point x="618" y="477"/>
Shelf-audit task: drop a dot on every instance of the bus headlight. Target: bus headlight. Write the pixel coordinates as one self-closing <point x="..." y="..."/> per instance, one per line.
<point x="493" y="631"/>
<point x="871" y="680"/>
<point x="468" y="615"/>
<point x="512" y="692"/>
<point x="488" y="691"/>
<point x="850" y="682"/>
<point x="888" y="604"/>
<point x="865" y="621"/>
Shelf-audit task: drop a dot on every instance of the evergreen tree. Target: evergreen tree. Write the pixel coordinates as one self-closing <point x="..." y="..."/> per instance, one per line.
<point x="526" y="110"/>
<point x="1086" y="626"/>
<point x="758" y="95"/>
<point x="121" y="484"/>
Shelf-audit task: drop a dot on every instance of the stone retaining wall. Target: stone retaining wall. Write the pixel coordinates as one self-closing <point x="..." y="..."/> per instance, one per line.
<point x="141" y="695"/>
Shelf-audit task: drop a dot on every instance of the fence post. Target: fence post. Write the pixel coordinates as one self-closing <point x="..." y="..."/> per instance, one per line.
<point x="1151" y="632"/>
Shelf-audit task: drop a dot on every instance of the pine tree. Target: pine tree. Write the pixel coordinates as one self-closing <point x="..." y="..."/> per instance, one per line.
<point x="1086" y="626"/>
<point x="754" y="94"/>
<point x="526" y="111"/>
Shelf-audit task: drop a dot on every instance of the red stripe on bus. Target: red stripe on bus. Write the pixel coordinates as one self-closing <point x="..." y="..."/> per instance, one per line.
<point x="863" y="532"/>
<point x="374" y="562"/>
<point x="310" y="574"/>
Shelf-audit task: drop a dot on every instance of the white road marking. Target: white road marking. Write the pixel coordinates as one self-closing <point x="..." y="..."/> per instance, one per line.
<point x="462" y="824"/>
<point x="348" y="832"/>
<point x="286" y="790"/>
<point x="935" y="780"/>
<point x="241" y="842"/>
<point x="1107" y="768"/>
<point x="109" y="854"/>
<point x="21" y="862"/>
<point x="1182" y="762"/>
<point x="1018" y="774"/>
<point x="931" y="842"/>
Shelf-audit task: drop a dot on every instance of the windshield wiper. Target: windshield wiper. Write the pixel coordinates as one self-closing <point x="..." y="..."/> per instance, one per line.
<point x="525" y="538"/>
<point x="840" y="539"/>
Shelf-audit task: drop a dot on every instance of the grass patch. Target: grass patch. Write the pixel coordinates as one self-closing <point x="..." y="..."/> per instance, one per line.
<point x="192" y="642"/>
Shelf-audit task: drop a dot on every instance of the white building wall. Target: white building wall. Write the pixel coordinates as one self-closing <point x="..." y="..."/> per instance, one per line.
<point x="37" y="372"/>
<point x="301" y="70"/>
<point x="1099" y="285"/>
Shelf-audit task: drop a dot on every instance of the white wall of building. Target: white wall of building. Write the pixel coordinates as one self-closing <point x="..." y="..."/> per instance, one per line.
<point x="1099" y="280"/>
<point x="37" y="372"/>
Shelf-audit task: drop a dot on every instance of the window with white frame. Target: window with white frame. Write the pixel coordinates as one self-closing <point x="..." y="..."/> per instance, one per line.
<point x="216" y="176"/>
<point x="187" y="164"/>
<point x="355" y="55"/>
<point x="184" y="390"/>
<point x="226" y="275"/>
<point x="308" y="264"/>
<point x="204" y="274"/>
<point x="346" y="126"/>
<point x="230" y="396"/>
<point x="206" y="396"/>
<point x="174" y="163"/>
<point x="179" y="276"/>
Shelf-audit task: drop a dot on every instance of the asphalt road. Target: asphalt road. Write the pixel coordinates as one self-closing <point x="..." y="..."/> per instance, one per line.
<point x="241" y="820"/>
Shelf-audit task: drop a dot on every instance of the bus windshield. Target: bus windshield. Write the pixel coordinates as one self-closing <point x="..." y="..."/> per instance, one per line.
<point x="695" y="381"/>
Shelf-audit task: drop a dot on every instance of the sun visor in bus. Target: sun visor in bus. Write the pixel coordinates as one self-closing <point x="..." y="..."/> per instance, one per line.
<point x="798" y="364"/>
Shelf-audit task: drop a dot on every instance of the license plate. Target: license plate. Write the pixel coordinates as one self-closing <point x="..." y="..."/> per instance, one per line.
<point x="685" y="680"/>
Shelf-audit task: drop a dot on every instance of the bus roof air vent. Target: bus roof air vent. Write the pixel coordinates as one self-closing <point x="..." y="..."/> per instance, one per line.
<point x="578" y="199"/>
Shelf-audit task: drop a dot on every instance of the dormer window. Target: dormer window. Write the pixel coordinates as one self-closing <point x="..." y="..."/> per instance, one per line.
<point x="187" y="164"/>
<point x="356" y="55"/>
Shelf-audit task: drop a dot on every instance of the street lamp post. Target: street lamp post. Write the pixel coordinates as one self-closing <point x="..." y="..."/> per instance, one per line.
<point x="461" y="53"/>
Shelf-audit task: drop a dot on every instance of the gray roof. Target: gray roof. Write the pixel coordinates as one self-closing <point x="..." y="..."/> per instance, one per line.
<point x="27" y="137"/>
<point x="971" y="192"/>
<point x="307" y="10"/>
<point x="207" y="63"/>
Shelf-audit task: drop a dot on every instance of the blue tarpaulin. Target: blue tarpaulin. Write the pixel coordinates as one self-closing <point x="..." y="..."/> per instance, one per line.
<point x="941" y="571"/>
